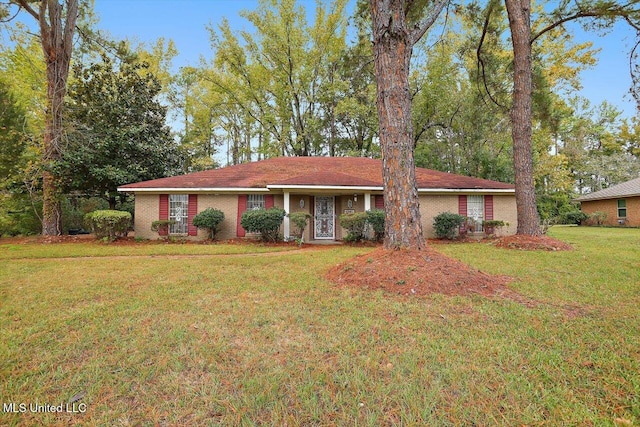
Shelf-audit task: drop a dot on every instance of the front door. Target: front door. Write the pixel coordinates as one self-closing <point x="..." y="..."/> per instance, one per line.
<point x="324" y="218"/>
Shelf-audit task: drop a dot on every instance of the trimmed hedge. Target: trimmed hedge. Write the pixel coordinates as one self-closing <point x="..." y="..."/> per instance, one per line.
<point x="209" y="219"/>
<point x="264" y="221"/>
<point x="108" y="224"/>
<point x="446" y="224"/>
<point x="355" y="224"/>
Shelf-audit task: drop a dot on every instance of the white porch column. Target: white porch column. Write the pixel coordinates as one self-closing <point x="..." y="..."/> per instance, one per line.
<point x="286" y="218"/>
<point x="367" y="202"/>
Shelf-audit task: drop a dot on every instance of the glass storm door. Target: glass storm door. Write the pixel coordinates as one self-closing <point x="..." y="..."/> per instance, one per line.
<point x="475" y="210"/>
<point x="178" y="206"/>
<point x="324" y="218"/>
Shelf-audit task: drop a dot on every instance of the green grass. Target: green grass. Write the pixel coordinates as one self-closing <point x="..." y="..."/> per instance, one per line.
<point x="265" y="340"/>
<point x="98" y="249"/>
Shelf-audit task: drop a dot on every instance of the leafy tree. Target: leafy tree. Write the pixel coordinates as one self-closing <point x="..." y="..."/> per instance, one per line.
<point x="57" y="23"/>
<point x="280" y="76"/>
<point x="397" y="27"/>
<point x="355" y="115"/>
<point x="456" y="129"/>
<point x="18" y="212"/>
<point x="117" y="132"/>
<point x="201" y="112"/>
<point x="13" y="139"/>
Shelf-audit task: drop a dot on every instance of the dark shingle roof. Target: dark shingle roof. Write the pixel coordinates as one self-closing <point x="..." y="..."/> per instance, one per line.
<point x="310" y="171"/>
<point x="626" y="189"/>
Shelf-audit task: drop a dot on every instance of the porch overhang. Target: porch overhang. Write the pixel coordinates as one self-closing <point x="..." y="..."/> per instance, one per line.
<point x="346" y="189"/>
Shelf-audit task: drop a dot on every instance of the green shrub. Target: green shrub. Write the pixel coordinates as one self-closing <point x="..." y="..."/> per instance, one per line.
<point x="209" y="219"/>
<point x="108" y="224"/>
<point x="162" y="226"/>
<point x="299" y="220"/>
<point x="375" y="218"/>
<point x="597" y="218"/>
<point x="74" y="210"/>
<point x="573" y="217"/>
<point x="491" y="225"/>
<point x="19" y="215"/>
<point x="446" y="224"/>
<point x="264" y="221"/>
<point x="355" y="224"/>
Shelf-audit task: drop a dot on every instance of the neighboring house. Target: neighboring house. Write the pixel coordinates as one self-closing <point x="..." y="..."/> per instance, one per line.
<point x="325" y="187"/>
<point x="620" y="203"/>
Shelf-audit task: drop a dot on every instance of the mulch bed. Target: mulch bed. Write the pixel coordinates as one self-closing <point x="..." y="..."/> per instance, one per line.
<point x="420" y="273"/>
<point x="532" y="243"/>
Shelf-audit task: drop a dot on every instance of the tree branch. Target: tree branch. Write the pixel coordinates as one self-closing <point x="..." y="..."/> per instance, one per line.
<point x="612" y="12"/>
<point x="481" y="67"/>
<point x="11" y="18"/>
<point x="25" y="5"/>
<point x="421" y="27"/>
<point x="586" y="14"/>
<point x="70" y="23"/>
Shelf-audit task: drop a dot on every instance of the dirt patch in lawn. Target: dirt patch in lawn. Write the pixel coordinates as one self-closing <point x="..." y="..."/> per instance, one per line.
<point x="532" y="243"/>
<point x="419" y="273"/>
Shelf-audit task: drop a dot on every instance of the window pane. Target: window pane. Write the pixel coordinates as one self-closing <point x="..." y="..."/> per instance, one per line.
<point x="178" y="212"/>
<point x="255" y="201"/>
<point x="622" y="208"/>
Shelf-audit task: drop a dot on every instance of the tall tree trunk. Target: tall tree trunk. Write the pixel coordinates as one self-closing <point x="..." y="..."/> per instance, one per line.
<point x="57" y="27"/>
<point x="521" y="116"/>
<point x="393" y="42"/>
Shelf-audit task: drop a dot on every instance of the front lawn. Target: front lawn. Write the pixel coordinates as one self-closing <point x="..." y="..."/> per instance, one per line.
<point x="265" y="340"/>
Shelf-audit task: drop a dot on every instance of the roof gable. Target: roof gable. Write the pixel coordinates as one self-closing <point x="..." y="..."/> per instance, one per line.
<point x="308" y="171"/>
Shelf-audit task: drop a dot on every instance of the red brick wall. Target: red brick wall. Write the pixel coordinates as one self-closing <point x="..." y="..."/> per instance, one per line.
<point x="610" y="207"/>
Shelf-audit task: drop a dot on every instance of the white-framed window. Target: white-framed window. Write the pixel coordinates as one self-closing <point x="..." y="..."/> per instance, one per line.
<point x="622" y="208"/>
<point x="178" y="212"/>
<point x="475" y="211"/>
<point x="255" y="201"/>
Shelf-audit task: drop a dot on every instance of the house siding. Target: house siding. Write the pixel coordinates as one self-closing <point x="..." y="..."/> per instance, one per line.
<point x="147" y="208"/>
<point x="433" y="205"/>
<point x="294" y="206"/>
<point x="504" y="208"/>
<point x="610" y="207"/>
<point x="227" y="203"/>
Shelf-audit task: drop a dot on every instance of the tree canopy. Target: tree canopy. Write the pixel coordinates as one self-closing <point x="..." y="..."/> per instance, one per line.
<point x="116" y="130"/>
